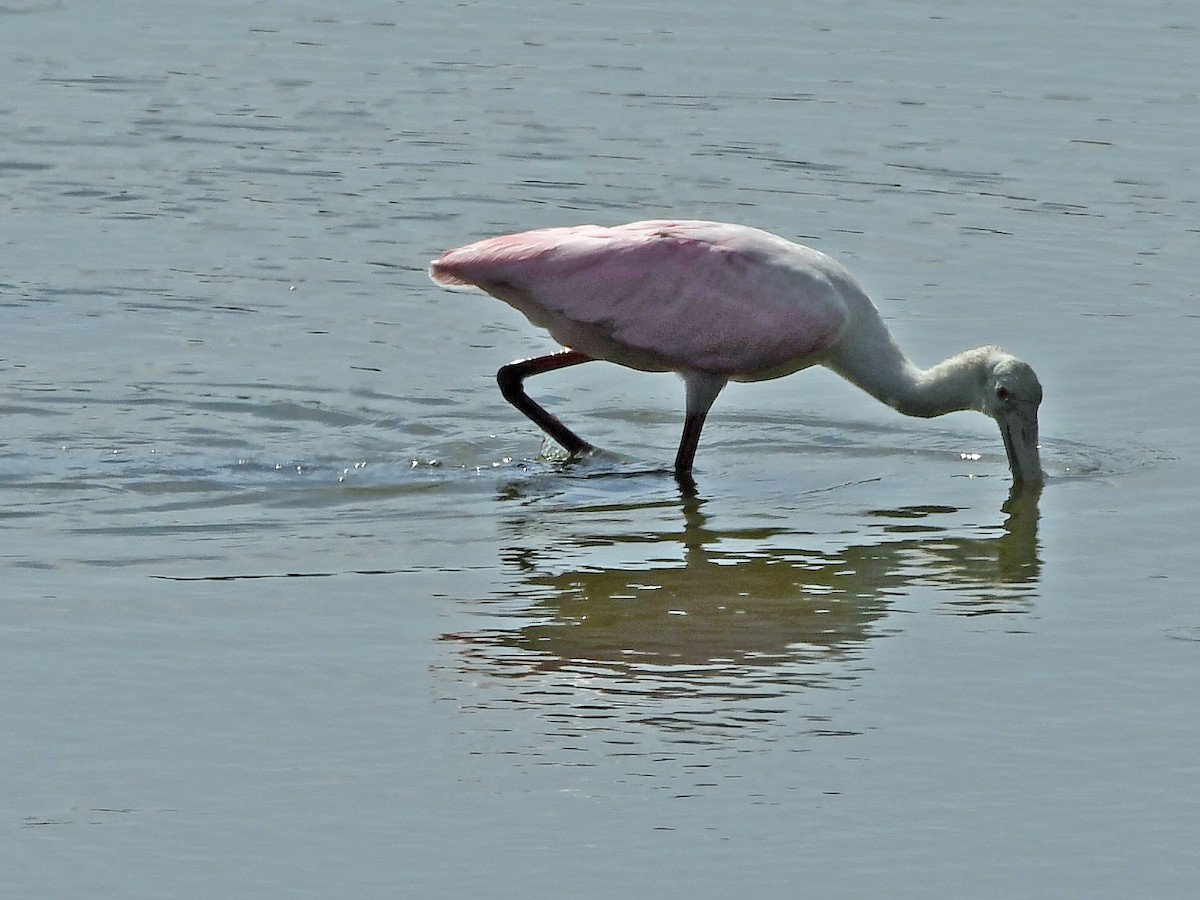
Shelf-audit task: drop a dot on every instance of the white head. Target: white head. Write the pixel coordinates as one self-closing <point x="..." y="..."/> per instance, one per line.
<point x="1011" y="397"/>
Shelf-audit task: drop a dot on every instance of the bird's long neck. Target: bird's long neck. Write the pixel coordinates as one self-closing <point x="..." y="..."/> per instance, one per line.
<point x="869" y="357"/>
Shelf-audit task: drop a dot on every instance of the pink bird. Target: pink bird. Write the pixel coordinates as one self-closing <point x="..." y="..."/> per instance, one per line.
<point x="717" y="303"/>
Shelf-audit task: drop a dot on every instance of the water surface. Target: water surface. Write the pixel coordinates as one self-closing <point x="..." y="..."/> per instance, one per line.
<point x="295" y="605"/>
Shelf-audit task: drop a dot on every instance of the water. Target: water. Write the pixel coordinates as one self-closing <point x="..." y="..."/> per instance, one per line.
<point x="294" y="606"/>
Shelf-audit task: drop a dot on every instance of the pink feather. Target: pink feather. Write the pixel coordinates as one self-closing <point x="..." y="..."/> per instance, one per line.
<point x="657" y="296"/>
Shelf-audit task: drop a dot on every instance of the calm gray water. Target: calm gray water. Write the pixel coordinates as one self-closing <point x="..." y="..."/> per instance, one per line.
<point x="293" y="605"/>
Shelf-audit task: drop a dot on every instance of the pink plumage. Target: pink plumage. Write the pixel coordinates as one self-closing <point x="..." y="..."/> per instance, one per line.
<point x="719" y="303"/>
<point x="665" y="296"/>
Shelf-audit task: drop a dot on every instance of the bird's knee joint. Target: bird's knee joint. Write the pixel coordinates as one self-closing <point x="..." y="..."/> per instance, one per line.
<point x="509" y="379"/>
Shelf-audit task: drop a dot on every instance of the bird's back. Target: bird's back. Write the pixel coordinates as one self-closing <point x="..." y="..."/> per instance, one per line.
<point x="703" y="296"/>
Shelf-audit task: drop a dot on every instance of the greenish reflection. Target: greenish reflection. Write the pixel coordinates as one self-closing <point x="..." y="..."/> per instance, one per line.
<point x="656" y="589"/>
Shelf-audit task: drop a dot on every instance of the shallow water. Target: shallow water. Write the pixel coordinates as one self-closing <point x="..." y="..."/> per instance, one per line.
<point x="295" y="605"/>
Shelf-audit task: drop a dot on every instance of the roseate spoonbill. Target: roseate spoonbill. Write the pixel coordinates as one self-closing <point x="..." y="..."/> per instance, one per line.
<point x="718" y="303"/>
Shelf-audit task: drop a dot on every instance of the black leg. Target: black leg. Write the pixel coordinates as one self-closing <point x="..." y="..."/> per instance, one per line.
<point x="692" y="425"/>
<point x="510" y="379"/>
<point x="702" y="390"/>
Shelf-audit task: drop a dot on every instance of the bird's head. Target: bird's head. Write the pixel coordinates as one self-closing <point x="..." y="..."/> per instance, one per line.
<point x="1011" y="397"/>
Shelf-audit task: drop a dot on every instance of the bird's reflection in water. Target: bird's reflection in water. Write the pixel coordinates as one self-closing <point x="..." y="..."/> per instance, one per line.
<point x="992" y="572"/>
<point x="651" y="608"/>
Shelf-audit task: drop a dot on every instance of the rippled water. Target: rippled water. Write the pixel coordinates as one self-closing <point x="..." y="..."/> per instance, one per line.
<point x="295" y="604"/>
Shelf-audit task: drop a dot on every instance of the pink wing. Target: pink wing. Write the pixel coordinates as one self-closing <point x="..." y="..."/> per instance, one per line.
<point x="660" y="296"/>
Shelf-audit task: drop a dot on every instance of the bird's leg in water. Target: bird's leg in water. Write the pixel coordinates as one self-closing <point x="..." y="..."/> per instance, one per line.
<point x="510" y="379"/>
<point x="702" y="389"/>
<point x="688" y="442"/>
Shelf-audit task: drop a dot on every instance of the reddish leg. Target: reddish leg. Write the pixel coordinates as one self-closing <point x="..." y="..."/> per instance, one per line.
<point x="510" y="379"/>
